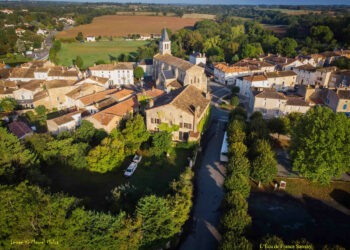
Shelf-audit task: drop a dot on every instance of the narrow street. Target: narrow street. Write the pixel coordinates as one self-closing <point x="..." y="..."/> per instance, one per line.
<point x="210" y="177"/>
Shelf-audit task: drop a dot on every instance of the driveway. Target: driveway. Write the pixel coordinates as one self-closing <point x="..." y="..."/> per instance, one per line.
<point x="210" y="177"/>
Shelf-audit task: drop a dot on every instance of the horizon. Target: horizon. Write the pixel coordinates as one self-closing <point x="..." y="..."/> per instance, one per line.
<point x="205" y="2"/>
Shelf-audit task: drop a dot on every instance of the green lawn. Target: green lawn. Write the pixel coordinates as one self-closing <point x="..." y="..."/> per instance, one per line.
<point x="94" y="51"/>
<point x="152" y="176"/>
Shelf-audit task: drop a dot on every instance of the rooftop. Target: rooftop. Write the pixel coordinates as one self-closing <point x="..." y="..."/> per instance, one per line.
<point x="231" y="69"/>
<point x="174" y="61"/>
<point x="269" y="94"/>
<point x="99" y="96"/>
<point x="19" y="129"/>
<point x="277" y="74"/>
<point x="186" y="98"/>
<point x="255" y="78"/>
<point x="109" y="67"/>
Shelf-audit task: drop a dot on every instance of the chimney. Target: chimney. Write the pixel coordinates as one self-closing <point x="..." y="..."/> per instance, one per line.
<point x="152" y="88"/>
<point x="151" y="103"/>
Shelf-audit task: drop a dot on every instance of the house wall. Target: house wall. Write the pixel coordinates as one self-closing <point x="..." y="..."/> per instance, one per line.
<point x="282" y="83"/>
<point x="269" y="107"/>
<point x="172" y="115"/>
<point x="118" y="77"/>
<point x="58" y="96"/>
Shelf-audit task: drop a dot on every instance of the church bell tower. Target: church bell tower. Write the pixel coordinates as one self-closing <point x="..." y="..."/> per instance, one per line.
<point x="165" y="44"/>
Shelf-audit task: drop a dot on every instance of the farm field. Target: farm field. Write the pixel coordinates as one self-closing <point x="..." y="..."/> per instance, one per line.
<point x="143" y="13"/>
<point x="295" y="12"/>
<point x="117" y="26"/>
<point x="94" y="51"/>
<point x="278" y="29"/>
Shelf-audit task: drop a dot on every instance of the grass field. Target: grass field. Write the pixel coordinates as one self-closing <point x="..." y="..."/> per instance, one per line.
<point x="278" y="29"/>
<point x="118" y="26"/>
<point x="295" y="12"/>
<point x="94" y="51"/>
<point x="143" y="13"/>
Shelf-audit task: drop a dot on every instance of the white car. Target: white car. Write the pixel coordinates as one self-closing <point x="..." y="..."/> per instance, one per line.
<point x="131" y="169"/>
<point x="137" y="158"/>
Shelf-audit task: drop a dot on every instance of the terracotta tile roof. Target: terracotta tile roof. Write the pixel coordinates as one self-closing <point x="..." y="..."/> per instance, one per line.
<point x="6" y="92"/>
<point x="110" y="67"/>
<point x="279" y="60"/>
<point x="174" y="61"/>
<point x="252" y="63"/>
<point x="120" y="109"/>
<point x="187" y="98"/>
<point x="94" y="98"/>
<point x="269" y="94"/>
<point x="283" y="73"/>
<point x="296" y="101"/>
<point x="63" y="72"/>
<point x="231" y="69"/>
<point x="8" y="84"/>
<point x="2" y="65"/>
<point x="19" y="129"/>
<point x="5" y="73"/>
<point x="31" y="85"/>
<point x="59" y="83"/>
<point x="152" y="93"/>
<point x="175" y="84"/>
<point x="122" y="93"/>
<point x="21" y="73"/>
<point x="101" y="80"/>
<point x="255" y="78"/>
<point x="343" y="94"/>
<point x="40" y="95"/>
<point x="306" y="67"/>
<point x="66" y="118"/>
<point x="82" y="90"/>
<point x="42" y="70"/>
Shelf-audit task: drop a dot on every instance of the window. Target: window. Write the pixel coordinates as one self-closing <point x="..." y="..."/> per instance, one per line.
<point x="58" y="98"/>
<point x="188" y="125"/>
<point x="180" y="125"/>
<point x="345" y="106"/>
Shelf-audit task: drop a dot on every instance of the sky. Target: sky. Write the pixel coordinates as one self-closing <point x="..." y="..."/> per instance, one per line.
<point x="229" y="2"/>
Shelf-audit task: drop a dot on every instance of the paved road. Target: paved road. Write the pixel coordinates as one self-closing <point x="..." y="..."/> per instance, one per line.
<point x="210" y="177"/>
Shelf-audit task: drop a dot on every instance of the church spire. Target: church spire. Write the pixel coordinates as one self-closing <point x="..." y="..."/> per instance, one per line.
<point x="165" y="43"/>
<point x="165" y="37"/>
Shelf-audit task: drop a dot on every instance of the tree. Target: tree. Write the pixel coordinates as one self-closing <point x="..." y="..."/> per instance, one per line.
<point x="41" y="110"/>
<point x="156" y="220"/>
<point x="238" y="163"/>
<point x="238" y="183"/>
<point x="79" y="62"/>
<point x="231" y="240"/>
<point x="80" y="37"/>
<point x="239" y="113"/>
<point x="264" y="166"/>
<point x="320" y="145"/>
<point x="234" y="101"/>
<point x="138" y="72"/>
<point x="8" y="104"/>
<point x="107" y="156"/>
<point x="273" y="241"/>
<point x="235" y="201"/>
<point x="135" y="133"/>
<point x="235" y="220"/>
<point x="235" y="90"/>
<point x="161" y="142"/>
<point x="16" y="162"/>
<point x="277" y="125"/>
<point x="85" y="133"/>
<point x="251" y="50"/>
<point x="236" y="131"/>
<point x="287" y="47"/>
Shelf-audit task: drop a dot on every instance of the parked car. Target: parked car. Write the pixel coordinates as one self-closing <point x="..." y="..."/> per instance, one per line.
<point x="131" y="169"/>
<point x="137" y="158"/>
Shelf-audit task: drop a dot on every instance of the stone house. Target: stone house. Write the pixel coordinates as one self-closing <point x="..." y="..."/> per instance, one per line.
<point x="198" y="58"/>
<point x="339" y="79"/>
<point x="67" y="122"/>
<point x="227" y="75"/>
<point x="170" y="72"/>
<point x="80" y="91"/>
<point x="339" y="100"/>
<point x="247" y="82"/>
<point x="306" y="74"/>
<point x="119" y="74"/>
<point x="274" y="104"/>
<point x="90" y="39"/>
<point x="26" y="91"/>
<point x="255" y="65"/>
<point x="185" y="107"/>
<point x="282" y="63"/>
<point x="281" y="80"/>
<point x="109" y="118"/>
<point x="54" y="93"/>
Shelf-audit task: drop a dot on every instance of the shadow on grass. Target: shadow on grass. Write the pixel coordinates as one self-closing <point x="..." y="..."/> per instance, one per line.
<point x="292" y="218"/>
<point x="341" y="197"/>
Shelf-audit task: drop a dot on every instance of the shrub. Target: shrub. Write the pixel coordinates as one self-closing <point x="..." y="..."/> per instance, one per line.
<point x="234" y="101"/>
<point x="234" y="200"/>
<point x="238" y="165"/>
<point x="235" y="220"/>
<point x="231" y="240"/>
<point x="239" y="183"/>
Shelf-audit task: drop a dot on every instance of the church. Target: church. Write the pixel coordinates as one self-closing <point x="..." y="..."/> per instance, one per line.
<point x="170" y="72"/>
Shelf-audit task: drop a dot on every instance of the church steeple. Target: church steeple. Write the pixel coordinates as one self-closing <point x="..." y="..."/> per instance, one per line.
<point x="165" y="43"/>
